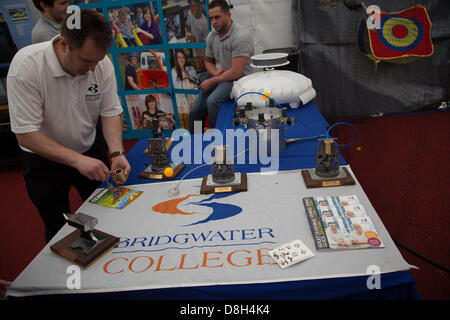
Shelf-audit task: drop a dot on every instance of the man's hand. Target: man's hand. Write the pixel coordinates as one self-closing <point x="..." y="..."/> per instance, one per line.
<point x="92" y="168"/>
<point x="112" y="131"/>
<point x="219" y="71"/>
<point x="190" y="37"/>
<point x="48" y="148"/>
<point x="221" y="74"/>
<point x="120" y="162"/>
<point x="207" y="85"/>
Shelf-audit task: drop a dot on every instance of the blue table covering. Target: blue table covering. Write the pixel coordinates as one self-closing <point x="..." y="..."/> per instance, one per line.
<point x="394" y="286"/>
<point x="298" y="155"/>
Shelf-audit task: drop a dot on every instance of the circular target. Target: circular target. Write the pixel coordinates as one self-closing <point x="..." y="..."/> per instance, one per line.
<point x="399" y="33"/>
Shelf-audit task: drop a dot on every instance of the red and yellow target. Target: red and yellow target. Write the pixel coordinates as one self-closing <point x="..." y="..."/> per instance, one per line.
<point x="401" y="35"/>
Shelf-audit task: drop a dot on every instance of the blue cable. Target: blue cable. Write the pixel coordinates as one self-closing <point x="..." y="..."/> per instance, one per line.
<point x="342" y="123"/>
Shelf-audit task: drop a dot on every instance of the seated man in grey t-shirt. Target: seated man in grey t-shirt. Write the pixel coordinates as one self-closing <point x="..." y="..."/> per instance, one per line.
<point x="49" y="24"/>
<point x="228" y="49"/>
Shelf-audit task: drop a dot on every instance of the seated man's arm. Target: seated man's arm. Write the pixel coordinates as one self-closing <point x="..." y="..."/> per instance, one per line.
<point x="234" y="73"/>
<point x="210" y="65"/>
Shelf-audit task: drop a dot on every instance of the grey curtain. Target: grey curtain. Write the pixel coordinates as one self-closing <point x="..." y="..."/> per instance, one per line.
<point x="347" y="82"/>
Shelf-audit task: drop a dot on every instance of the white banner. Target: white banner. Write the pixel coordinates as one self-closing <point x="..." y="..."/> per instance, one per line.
<point x="193" y="239"/>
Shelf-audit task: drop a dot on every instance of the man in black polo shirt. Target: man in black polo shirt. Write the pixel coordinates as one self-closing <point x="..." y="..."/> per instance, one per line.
<point x="131" y="81"/>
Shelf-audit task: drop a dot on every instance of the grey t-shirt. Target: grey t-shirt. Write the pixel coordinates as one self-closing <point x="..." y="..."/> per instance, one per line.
<point x="199" y="27"/>
<point x="237" y="42"/>
<point x="44" y="30"/>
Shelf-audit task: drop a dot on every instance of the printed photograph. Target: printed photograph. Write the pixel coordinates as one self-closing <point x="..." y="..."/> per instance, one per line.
<point x="143" y="70"/>
<point x="123" y="117"/>
<point x="144" y="108"/>
<point x="184" y="105"/>
<point x="188" y="70"/>
<point x="18" y="14"/>
<point x="185" y="21"/>
<point x="135" y="25"/>
<point x="112" y="61"/>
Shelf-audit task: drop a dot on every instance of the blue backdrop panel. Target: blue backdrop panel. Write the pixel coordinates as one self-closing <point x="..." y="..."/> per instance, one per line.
<point x="155" y="78"/>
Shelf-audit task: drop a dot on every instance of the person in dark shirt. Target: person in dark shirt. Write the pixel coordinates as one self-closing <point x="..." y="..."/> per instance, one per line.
<point x="149" y="32"/>
<point x="131" y="81"/>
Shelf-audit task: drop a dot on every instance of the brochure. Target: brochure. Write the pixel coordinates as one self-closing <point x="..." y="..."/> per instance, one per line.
<point x="118" y="197"/>
<point x="340" y="222"/>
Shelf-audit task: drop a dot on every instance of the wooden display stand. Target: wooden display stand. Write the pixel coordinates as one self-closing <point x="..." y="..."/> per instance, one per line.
<point x="148" y="174"/>
<point x="76" y="255"/>
<point x="327" y="182"/>
<point x="205" y="189"/>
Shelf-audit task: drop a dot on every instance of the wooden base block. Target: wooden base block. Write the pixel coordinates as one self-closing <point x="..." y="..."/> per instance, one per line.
<point x="205" y="189"/>
<point x="160" y="175"/>
<point x="323" y="183"/>
<point x="77" y="256"/>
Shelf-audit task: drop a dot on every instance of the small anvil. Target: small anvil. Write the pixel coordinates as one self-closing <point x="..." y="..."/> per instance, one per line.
<point x="88" y="239"/>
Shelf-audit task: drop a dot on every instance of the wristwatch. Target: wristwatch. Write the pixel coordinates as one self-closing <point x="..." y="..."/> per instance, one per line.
<point x="116" y="153"/>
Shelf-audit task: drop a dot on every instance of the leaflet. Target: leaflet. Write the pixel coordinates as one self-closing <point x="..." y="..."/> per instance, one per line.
<point x="291" y="253"/>
<point x="340" y="222"/>
<point x="118" y="197"/>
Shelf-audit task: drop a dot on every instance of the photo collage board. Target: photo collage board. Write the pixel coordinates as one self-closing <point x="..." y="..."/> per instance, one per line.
<point x="157" y="52"/>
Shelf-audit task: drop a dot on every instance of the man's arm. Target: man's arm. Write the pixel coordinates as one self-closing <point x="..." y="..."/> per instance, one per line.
<point x="48" y="148"/>
<point x="132" y="83"/>
<point x="210" y="65"/>
<point x="130" y="74"/>
<point x="24" y="97"/>
<point x="235" y="72"/>
<point x="189" y="36"/>
<point x="112" y="131"/>
<point x="149" y="35"/>
<point x="237" y="67"/>
<point x="110" y="110"/>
